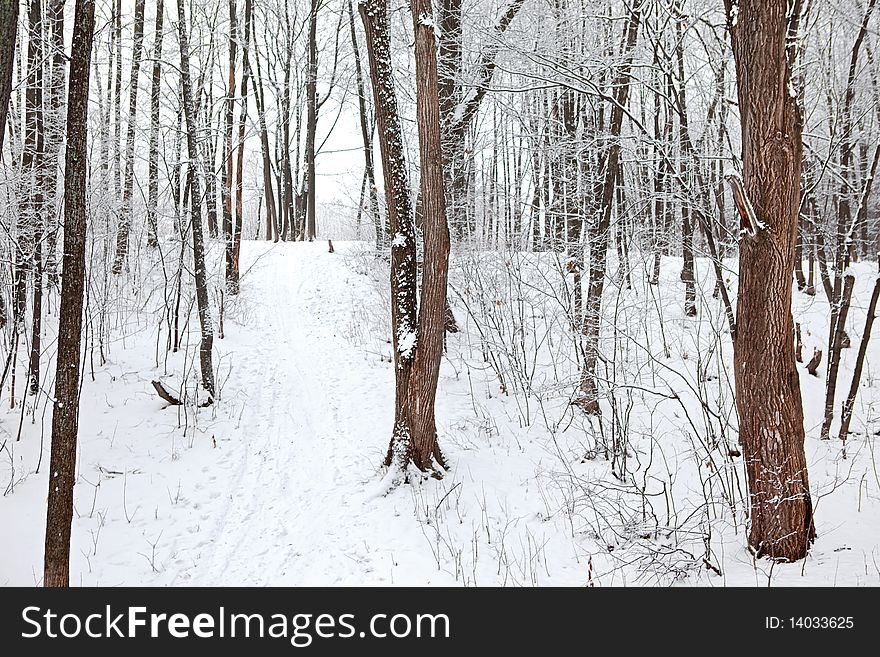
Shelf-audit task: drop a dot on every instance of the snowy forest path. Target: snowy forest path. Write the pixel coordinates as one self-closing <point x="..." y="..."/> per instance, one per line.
<point x="293" y="514"/>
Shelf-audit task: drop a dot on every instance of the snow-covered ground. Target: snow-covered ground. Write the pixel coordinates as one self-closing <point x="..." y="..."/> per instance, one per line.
<point x="279" y="483"/>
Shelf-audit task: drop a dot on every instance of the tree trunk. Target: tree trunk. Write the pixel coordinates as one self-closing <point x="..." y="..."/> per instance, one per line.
<point x="54" y="130"/>
<point x="311" y="120"/>
<point x="588" y="399"/>
<point x="403" y="245"/>
<point x="425" y="452"/>
<point x="155" y="95"/>
<point x="687" y="223"/>
<point x="273" y="228"/>
<point x="227" y="175"/>
<point x="232" y="283"/>
<point x="835" y="346"/>
<point x="768" y="394"/>
<point x="367" y="133"/>
<point x="128" y="186"/>
<point x="200" y="273"/>
<point x="30" y="218"/>
<point x="846" y="414"/>
<point x="116" y="174"/>
<point x="65" y="417"/>
<point x="8" y="30"/>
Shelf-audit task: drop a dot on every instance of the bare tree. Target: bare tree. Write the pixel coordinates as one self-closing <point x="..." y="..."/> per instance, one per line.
<point x="768" y="395"/>
<point x="54" y="133"/>
<point x="31" y="200"/>
<point x="400" y="218"/>
<point x="199" y="268"/>
<point x="155" y="96"/>
<point x="65" y="417"/>
<point x="228" y="172"/>
<point x="424" y="450"/>
<point x="599" y="234"/>
<point x="232" y="282"/>
<point x="366" y="124"/>
<point x="311" y="119"/>
<point x="128" y="185"/>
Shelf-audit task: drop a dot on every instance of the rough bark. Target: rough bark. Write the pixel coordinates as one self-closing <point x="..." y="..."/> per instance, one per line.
<point x="65" y="417"/>
<point x="768" y="392"/>
<point x="400" y="217"/>
<point x="435" y="268"/>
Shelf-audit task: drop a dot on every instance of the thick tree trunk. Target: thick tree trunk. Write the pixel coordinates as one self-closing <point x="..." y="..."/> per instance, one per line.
<point x="400" y="216"/>
<point x="435" y="268"/>
<point x="768" y="394"/>
<point x="200" y="273"/>
<point x="65" y="417"/>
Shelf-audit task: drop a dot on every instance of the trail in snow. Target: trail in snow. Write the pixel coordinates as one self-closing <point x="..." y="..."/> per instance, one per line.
<point x="312" y="435"/>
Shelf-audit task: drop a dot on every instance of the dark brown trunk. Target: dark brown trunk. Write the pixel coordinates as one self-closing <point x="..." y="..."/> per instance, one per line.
<point x="65" y="417"/>
<point x="400" y="216"/>
<point x="425" y="452"/>
<point x="768" y="395"/>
